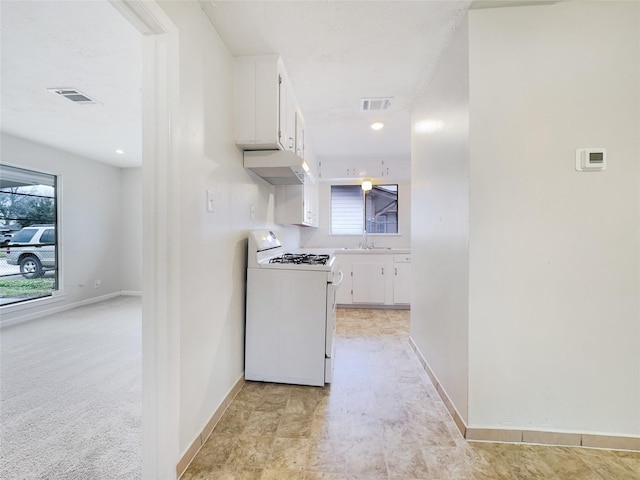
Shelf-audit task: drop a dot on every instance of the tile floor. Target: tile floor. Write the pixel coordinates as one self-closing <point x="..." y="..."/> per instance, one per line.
<point x="380" y="419"/>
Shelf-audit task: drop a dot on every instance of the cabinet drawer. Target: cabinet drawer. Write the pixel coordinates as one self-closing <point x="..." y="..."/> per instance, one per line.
<point x="402" y="259"/>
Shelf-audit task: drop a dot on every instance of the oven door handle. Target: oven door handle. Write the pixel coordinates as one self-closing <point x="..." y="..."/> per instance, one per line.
<point x="335" y="284"/>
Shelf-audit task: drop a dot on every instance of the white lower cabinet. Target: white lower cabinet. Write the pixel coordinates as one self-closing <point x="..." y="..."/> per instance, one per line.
<point x="374" y="279"/>
<point x="402" y="279"/>
<point x="343" y="292"/>
<point x="368" y="283"/>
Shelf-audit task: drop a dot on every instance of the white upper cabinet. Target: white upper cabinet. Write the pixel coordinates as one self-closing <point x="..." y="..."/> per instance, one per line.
<point x="265" y="105"/>
<point x="299" y="135"/>
<point x="267" y="117"/>
<point x="344" y="168"/>
<point x="288" y="112"/>
<point x="297" y="204"/>
<point x="394" y="168"/>
<point x="362" y="166"/>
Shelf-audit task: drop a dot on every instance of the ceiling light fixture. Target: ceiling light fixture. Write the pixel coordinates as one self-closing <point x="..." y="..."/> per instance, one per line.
<point x="120" y="151"/>
<point x="366" y="186"/>
<point x="377" y="125"/>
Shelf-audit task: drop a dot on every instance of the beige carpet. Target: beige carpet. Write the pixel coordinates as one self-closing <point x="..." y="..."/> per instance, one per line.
<point x="70" y="386"/>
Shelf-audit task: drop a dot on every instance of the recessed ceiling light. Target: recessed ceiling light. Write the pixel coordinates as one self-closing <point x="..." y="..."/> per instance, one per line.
<point x="377" y="125"/>
<point x="120" y="151"/>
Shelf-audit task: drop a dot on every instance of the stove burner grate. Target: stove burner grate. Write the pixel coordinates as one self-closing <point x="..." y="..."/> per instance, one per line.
<point x="301" y="258"/>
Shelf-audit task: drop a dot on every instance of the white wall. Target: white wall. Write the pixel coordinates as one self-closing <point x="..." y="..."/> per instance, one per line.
<point x="440" y="223"/>
<point x="90" y="194"/>
<point x="212" y="266"/>
<point x="129" y="232"/>
<point x="322" y="237"/>
<point x="554" y="253"/>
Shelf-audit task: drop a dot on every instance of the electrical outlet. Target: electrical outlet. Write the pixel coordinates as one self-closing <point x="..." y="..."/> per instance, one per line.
<point x="97" y="284"/>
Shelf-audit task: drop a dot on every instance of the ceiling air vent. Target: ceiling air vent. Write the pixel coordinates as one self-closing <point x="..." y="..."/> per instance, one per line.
<point x="374" y="104"/>
<point x="74" y="95"/>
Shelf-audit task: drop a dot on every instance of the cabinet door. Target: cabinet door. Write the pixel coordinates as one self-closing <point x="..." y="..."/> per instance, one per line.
<point x="295" y="204"/>
<point x="310" y="202"/>
<point x="311" y="160"/>
<point x="289" y="204"/>
<point x="368" y="282"/>
<point x="401" y="283"/>
<point x="256" y="97"/>
<point x="299" y="135"/>
<point x="333" y="169"/>
<point x="286" y="115"/>
<point x="343" y="294"/>
<point x="395" y="168"/>
<point x="341" y="169"/>
<point x="306" y="201"/>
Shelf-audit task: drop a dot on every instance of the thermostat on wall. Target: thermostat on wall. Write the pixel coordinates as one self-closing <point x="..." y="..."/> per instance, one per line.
<point x="591" y="159"/>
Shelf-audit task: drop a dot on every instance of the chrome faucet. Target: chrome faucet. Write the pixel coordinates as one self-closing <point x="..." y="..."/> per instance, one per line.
<point x="365" y="241"/>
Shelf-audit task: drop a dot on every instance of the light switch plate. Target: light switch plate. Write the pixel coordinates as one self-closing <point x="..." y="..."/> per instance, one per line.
<point x="211" y="201"/>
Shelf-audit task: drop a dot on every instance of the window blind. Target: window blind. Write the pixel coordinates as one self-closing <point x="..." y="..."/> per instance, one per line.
<point x="346" y="210"/>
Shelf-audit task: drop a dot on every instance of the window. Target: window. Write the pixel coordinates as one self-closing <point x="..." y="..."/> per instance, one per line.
<point x="353" y="210"/>
<point x="23" y="236"/>
<point x="28" y="223"/>
<point x="48" y="237"/>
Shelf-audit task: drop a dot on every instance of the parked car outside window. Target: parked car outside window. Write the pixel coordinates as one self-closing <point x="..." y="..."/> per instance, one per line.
<point x="5" y="238"/>
<point x="34" y="249"/>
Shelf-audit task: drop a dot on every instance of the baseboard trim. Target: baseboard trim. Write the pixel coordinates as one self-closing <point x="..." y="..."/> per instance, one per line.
<point x="462" y="427"/>
<point x="41" y="310"/>
<point x="535" y="437"/>
<point x="373" y="306"/>
<point x="565" y="439"/>
<point x="200" y="440"/>
<point x="131" y="293"/>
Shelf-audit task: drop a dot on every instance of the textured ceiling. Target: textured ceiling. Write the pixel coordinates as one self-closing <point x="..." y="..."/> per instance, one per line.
<point x="337" y="52"/>
<point x="86" y="45"/>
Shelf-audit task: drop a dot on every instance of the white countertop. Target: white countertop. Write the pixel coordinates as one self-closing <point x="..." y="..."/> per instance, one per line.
<point x="371" y="251"/>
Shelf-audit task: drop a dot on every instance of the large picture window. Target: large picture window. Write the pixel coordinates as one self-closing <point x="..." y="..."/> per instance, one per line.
<point x="353" y="210"/>
<point x="28" y="228"/>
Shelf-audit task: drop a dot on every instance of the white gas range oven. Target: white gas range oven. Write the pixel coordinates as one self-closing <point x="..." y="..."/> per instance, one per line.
<point x="291" y="312"/>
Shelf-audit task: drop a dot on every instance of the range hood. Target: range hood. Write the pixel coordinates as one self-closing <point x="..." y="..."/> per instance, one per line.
<point x="278" y="167"/>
